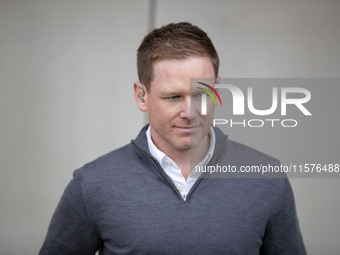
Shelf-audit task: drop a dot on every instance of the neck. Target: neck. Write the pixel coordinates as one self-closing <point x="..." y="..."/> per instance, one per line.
<point x="186" y="159"/>
<point x="192" y="157"/>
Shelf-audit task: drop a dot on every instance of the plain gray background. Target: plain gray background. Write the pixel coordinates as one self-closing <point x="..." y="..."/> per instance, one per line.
<point x="67" y="69"/>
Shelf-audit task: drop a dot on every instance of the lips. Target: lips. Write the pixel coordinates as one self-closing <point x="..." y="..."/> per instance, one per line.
<point x="188" y="128"/>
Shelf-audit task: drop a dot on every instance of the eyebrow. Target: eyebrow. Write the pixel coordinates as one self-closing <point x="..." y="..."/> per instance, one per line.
<point x="171" y="92"/>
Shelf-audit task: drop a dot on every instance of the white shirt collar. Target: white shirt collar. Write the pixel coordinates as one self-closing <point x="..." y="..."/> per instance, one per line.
<point x="164" y="160"/>
<point x="173" y="171"/>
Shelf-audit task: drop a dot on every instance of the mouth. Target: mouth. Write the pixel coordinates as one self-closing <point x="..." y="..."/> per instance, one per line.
<point x="187" y="128"/>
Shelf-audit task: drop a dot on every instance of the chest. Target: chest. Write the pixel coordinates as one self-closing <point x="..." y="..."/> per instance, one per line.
<point x="214" y="220"/>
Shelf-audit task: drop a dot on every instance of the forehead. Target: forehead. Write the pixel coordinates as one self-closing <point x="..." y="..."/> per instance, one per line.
<point x="176" y="73"/>
<point x="201" y="66"/>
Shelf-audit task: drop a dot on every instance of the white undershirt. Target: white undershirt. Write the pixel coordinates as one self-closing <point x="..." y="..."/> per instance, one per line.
<point x="173" y="171"/>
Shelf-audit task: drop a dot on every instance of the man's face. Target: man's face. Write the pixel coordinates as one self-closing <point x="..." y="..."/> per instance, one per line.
<point x="174" y="114"/>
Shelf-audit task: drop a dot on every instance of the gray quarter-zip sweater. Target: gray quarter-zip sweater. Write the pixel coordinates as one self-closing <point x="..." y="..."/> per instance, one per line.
<point x="124" y="203"/>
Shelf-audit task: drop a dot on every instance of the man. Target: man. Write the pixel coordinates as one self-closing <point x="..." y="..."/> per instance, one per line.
<point x="144" y="198"/>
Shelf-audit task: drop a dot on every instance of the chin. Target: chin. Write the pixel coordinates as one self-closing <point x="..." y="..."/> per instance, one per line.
<point x="196" y="140"/>
<point x="184" y="146"/>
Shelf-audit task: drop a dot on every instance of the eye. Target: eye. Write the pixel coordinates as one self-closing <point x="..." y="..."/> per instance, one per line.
<point x="173" y="98"/>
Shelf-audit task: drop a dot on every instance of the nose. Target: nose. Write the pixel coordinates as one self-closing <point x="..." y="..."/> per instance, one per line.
<point x="185" y="108"/>
<point x="188" y="111"/>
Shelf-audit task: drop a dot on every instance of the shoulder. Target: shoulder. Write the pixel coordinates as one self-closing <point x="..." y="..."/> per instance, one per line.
<point x="244" y="153"/>
<point x="115" y="165"/>
<point x="237" y="151"/>
<point x="246" y="161"/>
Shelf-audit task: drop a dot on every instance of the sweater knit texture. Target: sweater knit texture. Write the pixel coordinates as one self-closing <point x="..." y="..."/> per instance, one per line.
<point x="124" y="203"/>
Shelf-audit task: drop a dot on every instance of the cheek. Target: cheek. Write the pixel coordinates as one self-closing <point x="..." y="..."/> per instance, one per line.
<point x="210" y="107"/>
<point x="162" y="112"/>
<point x="211" y="102"/>
<point x="159" y="117"/>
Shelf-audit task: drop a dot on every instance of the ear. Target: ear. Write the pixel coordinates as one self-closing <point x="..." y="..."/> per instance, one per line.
<point x="140" y="96"/>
